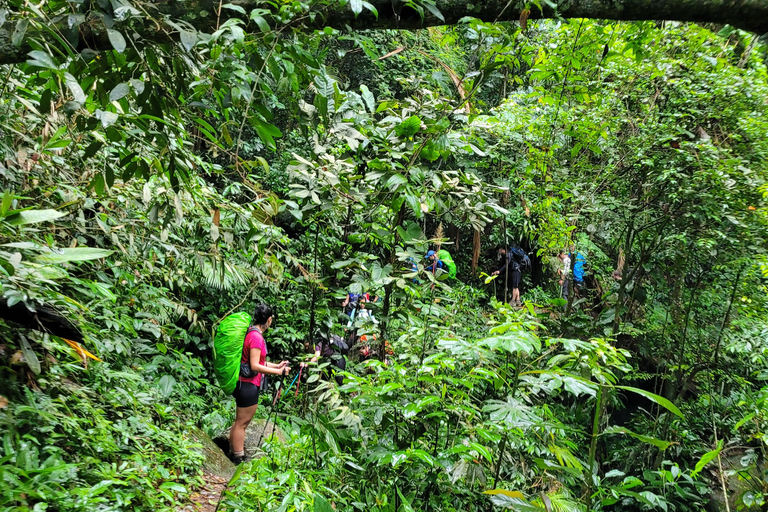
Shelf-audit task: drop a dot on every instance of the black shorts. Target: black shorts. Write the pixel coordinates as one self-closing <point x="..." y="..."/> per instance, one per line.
<point x="514" y="279"/>
<point x="246" y="394"/>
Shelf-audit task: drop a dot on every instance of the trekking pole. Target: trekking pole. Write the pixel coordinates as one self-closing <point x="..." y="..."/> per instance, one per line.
<point x="298" y="382"/>
<point x="272" y="408"/>
<point x="426" y="321"/>
<point x="274" y="419"/>
<point x="293" y="382"/>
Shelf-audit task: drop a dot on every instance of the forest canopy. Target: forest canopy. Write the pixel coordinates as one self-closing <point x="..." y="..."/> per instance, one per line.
<point x="390" y="191"/>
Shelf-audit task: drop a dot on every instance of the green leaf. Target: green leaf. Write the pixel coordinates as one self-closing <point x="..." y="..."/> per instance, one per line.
<point x="267" y="132"/>
<point x="321" y="504"/>
<point x="71" y="254"/>
<point x="260" y="21"/>
<point x="513" y="342"/>
<point x="32" y="361"/>
<point x="189" y="38"/>
<point x="431" y="7"/>
<point x="371" y="8"/>
<point x="33" y="217"/>
<point x="166" y="385"/>
<point x="233" y="7"/>
<point x="120" y="91"/>
<point x="117" y="40"/>
<point x="503" y="499"/>
<point x="421" y="454"/>
<point x="368" y="98"/>
<point x="357" y="6"/>
<point x="6" y="266"/>
<point x="19" y="31"/>
<point x="74" y="86"/>
<point x="406" y="505"/>
<point x="707" y="458"/>
<point x="342" y="263"/>
<point x="659" y="443"/>
<point x="97" y="184"/>
<point x="236" y="477"/>
<point x="655" y="398"/>
<point x="482" y="450"/>
<point x="107" y="118"/>
<point x="409" y="127"/>
<point x="7" y="202"/>
<point x="173" y="486"/>
<point x="324" y="85"/>
<point x="109" y="176"/>
<point x="92" y="149"/>
<point x="41" y="60"/>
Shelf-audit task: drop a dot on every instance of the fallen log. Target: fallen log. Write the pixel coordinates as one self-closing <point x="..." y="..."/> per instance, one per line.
<point x="44" y="319"/>
<point x="160" y="20"/>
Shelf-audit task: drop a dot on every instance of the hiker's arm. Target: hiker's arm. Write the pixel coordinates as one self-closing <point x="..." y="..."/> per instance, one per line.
<point x="281" y="364"/>
<point x="314" y="359"/>
<point x="263" y="368"/>
<point x="507" y="259"/>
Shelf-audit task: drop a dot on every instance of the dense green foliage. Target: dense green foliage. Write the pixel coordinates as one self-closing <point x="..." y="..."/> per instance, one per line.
<point x="153" y="189"/>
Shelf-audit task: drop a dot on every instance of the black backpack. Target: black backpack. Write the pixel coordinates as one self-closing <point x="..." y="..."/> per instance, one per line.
<point x="340" y="344"/>
<point x="521" y="258"/>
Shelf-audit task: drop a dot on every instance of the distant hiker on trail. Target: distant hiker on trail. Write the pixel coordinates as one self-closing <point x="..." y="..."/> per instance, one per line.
<point x="333" y="348"/>
<point x="253" y="365"/>
<point x="578" y="268"/>
<point x="441" y="260"/>
<point x="564" y="272"/>
<point x="434" y="263"/>
<point x="414" y="268"/>
<point x="513" y="262"/>
<point x="350" y="303"/>
<point x="361" y="312"/>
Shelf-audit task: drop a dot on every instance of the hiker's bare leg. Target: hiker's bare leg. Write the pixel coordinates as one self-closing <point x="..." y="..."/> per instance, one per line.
<point x="243" y="417"/>
<point x="516" y="295"/>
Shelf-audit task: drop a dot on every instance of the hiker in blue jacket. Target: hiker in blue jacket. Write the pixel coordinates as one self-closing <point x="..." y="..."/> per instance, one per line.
<point x="578" y="268"/>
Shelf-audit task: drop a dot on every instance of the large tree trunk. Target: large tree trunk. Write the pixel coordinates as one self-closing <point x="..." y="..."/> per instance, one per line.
<point x="201" y="15"/>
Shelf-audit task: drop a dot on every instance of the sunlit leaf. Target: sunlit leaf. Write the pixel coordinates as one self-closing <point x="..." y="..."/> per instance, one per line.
<point x="29" y="355"/>
<point x="659" y="443"/>
<point x="33" y="217"/>
<point x="117" y="40"/>
<point x="707" y="458"/>
<point x="654" y="398"/>
<point x="72" y="254"/>
<point x="120" y="91"/>
<point x="166" y="385"/>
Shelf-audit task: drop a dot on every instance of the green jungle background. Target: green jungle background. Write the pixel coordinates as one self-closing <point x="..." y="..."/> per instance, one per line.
<point x="150" y="190"/>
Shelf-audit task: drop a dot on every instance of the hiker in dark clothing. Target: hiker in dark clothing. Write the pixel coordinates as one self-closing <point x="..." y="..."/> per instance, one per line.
<point x="350" y="303"/>
<point x="510" y="267"/>
<point x="330" y="347"/>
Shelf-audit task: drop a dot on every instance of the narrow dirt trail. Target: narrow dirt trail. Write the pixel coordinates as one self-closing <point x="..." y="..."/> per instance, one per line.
<point x="217" y="470"/>
<point x="207" y="497"/>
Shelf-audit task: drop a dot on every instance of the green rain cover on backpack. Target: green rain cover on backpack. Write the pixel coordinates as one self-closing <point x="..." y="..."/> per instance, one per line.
<point x="228" y="349"/>
<point x="445" y="257"/>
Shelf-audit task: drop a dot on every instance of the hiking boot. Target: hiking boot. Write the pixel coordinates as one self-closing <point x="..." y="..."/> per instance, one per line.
<point x="239" y="460"/>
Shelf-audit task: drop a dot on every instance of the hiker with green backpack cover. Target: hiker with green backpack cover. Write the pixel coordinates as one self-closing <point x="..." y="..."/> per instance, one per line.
<point x="240" y="362"/>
